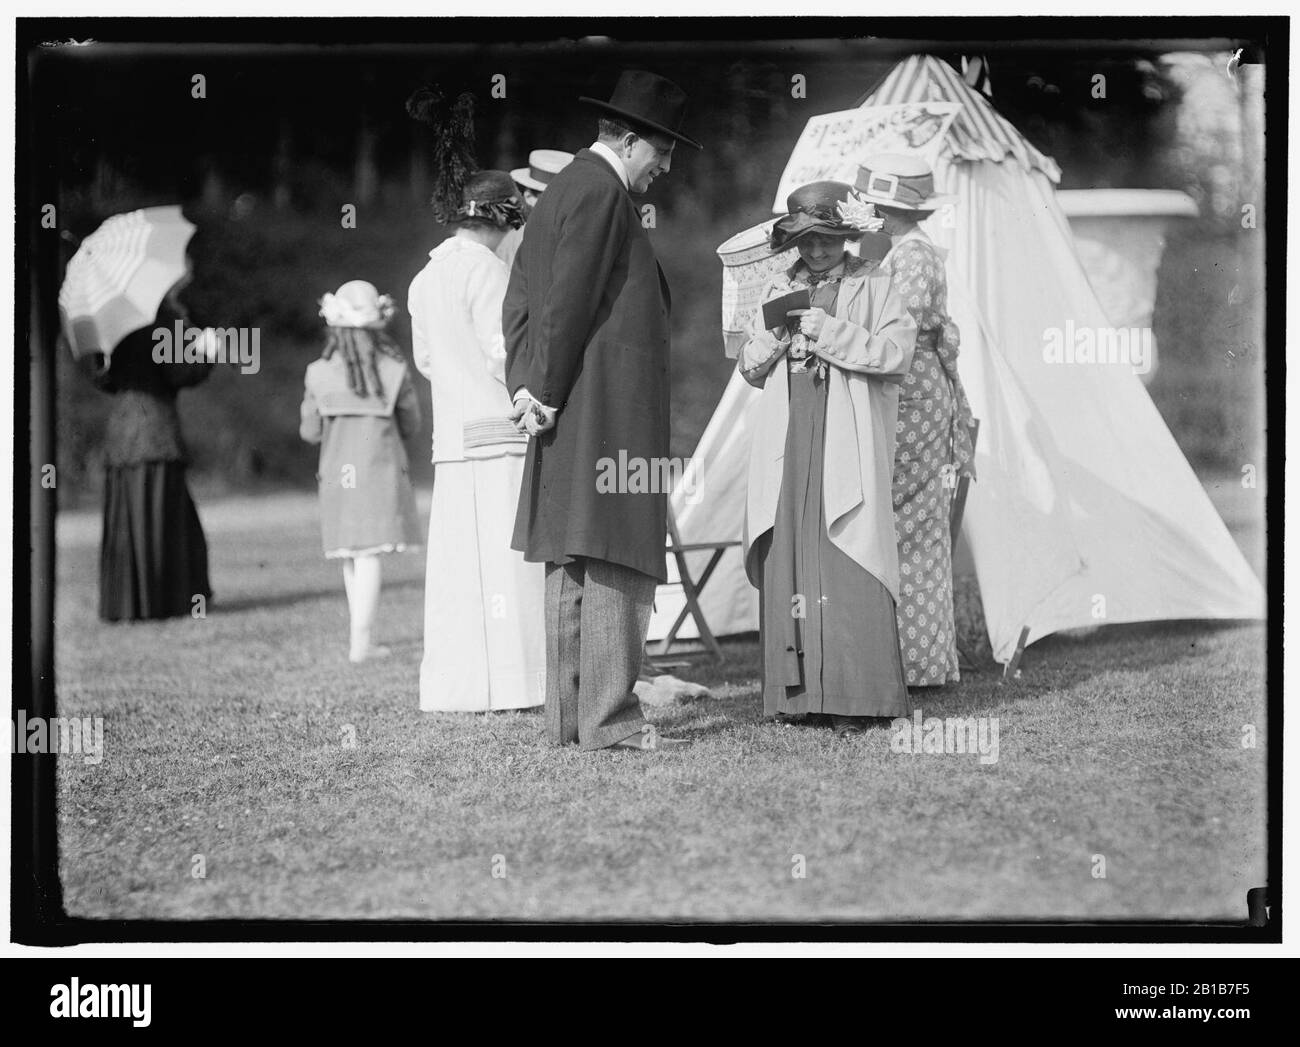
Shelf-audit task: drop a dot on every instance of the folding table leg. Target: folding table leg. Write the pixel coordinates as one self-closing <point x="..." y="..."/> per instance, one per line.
<point x="691" y="590"/>
<point x="693" y="600"/>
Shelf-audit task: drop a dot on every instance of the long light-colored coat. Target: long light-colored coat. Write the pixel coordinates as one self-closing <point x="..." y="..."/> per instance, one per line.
<point x="868" y="344"/>
<point x="484" y="610"/>
<point x="455" y="305"/>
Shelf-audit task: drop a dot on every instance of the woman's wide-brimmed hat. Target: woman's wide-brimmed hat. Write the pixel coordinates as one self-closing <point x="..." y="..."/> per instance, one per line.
<point x="814" y="208"/>
<point x="902" y="182"/>
<point x="543" y="165"/>
<point x="648" y="101"/>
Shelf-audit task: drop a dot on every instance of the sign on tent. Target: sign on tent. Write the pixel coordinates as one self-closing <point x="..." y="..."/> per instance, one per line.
<point x="832" y="145"/>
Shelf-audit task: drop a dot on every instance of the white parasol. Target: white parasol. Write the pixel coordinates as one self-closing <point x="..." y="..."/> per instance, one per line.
<point x="119" y="276"/>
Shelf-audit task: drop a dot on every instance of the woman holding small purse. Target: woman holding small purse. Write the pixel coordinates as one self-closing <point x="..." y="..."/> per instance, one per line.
<point x="484" y="619"/>
<point x="819" y="526"/>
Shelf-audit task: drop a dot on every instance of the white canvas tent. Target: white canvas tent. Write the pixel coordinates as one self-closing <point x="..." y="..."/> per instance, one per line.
<point x="1085" y="511"/>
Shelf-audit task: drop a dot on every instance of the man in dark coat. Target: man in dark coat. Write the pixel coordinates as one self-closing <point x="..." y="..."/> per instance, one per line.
<point x="587" y="342"/>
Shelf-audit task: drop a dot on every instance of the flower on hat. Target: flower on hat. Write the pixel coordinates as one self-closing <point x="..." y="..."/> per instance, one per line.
<point x="860" y="214"/>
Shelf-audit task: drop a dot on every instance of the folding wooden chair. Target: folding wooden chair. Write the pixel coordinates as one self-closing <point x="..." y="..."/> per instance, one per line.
<point x="691" y="589"/>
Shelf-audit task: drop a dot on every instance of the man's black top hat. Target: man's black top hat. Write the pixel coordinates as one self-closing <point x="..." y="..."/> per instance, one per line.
<point x="648" y="101"/>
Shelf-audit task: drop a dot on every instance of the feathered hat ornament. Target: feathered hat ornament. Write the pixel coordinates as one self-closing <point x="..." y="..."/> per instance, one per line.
<point x="461" y="190"/>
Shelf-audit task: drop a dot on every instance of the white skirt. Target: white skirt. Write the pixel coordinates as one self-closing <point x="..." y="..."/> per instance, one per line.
<point x="484" y="624"/>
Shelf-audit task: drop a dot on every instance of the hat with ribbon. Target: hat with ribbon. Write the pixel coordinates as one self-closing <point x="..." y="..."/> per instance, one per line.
<point x="648" y="101"/>
<point x="821" y="207"/>
<point x="543" y="165"/>
<point x="902" y="182"/>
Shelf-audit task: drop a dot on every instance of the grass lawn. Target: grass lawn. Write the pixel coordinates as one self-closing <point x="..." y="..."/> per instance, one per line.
<point x="228" y="738"/>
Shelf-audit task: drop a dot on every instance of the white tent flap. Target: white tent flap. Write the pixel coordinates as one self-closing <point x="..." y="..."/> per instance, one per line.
<point x="1085" y="510"/>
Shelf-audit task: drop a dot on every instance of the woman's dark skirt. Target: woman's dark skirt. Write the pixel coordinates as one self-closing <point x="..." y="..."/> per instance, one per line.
<point x="153" y="559"/>
<point x="829" y="627"/>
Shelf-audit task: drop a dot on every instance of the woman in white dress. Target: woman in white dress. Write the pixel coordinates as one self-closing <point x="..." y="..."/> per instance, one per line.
<point x="484" y="634"/>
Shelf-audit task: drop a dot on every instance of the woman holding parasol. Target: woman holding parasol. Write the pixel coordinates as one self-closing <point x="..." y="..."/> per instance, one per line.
<point x="122" y="285"/>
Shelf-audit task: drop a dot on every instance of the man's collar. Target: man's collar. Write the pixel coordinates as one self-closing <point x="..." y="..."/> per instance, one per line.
<point x="610" y="157"/>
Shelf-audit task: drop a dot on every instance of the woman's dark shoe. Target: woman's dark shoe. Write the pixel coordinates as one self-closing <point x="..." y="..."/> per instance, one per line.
<point x="848" y="726"/>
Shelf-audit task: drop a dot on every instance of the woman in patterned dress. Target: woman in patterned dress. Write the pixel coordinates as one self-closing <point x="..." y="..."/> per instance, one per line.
<point x="934" y="446"/>
<point x="819" y="524"/>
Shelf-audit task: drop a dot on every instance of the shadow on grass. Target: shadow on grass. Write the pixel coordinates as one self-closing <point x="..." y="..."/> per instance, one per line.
<point x="1064" y="661"/>
<point x="222" y="605"/>
<point x="1053" y="663"/>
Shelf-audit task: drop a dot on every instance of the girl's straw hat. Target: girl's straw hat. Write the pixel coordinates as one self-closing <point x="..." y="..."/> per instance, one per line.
<point x="357" y="303"/>
<point x="902" y="182"/>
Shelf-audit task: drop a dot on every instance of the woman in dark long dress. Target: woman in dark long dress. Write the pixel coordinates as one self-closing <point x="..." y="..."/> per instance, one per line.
<point x="819" y="524"/>
<point x="153" y="560"/>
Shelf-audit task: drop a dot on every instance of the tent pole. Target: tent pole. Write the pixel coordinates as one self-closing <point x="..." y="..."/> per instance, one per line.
<point x="1013" y="666"/>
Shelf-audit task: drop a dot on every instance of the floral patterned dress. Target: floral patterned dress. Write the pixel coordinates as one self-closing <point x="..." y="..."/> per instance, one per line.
<point x="934" y="448"/>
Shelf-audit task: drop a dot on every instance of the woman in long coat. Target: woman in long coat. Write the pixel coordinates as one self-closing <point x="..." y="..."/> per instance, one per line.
<point x="934" y="420"/>
<point x="819" y="527"/>
<point x="153" y="560"/>
<point x="484" y="638"/>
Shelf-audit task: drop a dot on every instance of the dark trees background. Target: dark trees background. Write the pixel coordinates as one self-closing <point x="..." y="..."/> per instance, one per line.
<point x="287" y="135"/>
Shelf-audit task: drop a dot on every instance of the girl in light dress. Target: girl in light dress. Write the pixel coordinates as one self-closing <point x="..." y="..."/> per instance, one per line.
<point x="359" y="405"/>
